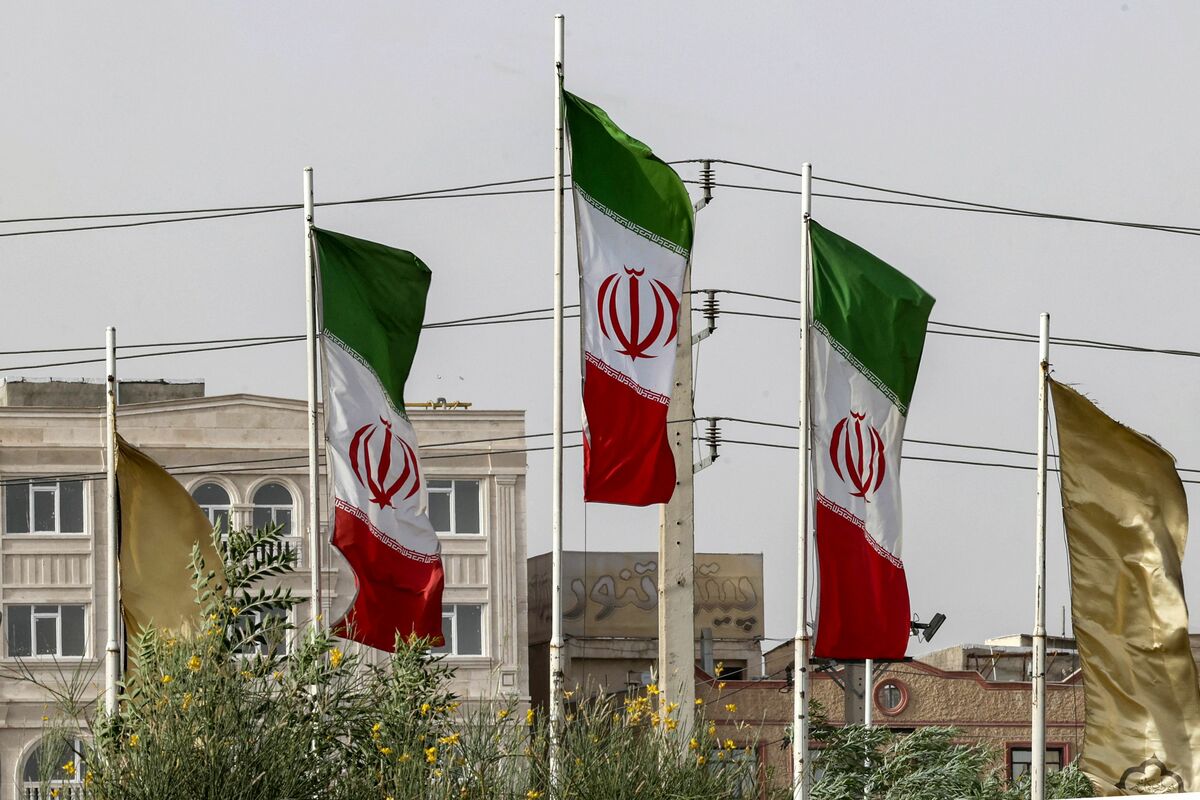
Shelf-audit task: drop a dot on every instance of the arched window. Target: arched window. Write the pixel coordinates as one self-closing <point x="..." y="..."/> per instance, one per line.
<point x="273" y="506"/>
<point x="54" y="770"/>
<point x="214" y="502"/>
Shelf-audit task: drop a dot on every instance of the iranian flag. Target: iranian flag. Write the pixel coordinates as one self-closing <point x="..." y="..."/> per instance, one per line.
<point x="633" y="220"/>
<point x="372" y="307"/>
<point x="868" y="332"/>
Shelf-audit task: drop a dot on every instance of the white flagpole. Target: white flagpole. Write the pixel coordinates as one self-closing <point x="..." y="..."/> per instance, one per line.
<point x="556" y="620"/>
<point x="1037" y="769"/>
<point x="314" y="485"/>
<point x="868" y="692"/>
<point x="800" y="766"/>
<point x="112" y="654"/>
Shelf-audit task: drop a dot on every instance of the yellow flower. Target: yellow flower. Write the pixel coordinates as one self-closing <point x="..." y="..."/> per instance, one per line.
<point x="425" y="708"/>
<point x="375" y="728"/>
<point x="431" y="755"/>
<point x="247" y="674"/>
<point x="186" y="701"/>
<point x="712" y="729"/>
<point x="194" y="663"/>
<point x="502" y="713"/>
<point x="700" y="760"/>
<point x="721" y="754"/>
<point x="404" y="758"/>
<point x="451" y="739"/>
<point x="166" y="679"/>
<point x="694" y="744"/>
<point x="729" y="745"/>
<point x="567" y="694"/>
<point x="437" y="773"/>
<point x="699" y="702"/>
<point x="54" y="792"/>
<point x="720" y="685"/>
<point x="529" y="715"/>
<point x="45" y="718"/>
<point x="69" y="768"/>
<point x="235" y="610"/>
<point x="278" y="676"/>
<point x="88" y="778"/>
<point x="570" y="717"/>
<point x="533" y="794"/>
<point x="134" y="739"/>
<point x="720" y="668"/>
<point x="387" y="751"/>
<point x="731" y="707"/>
<point x="652" y="689"/>
<point x="335" y="657"/>
<point x="453" y="706"/>
<point x="670" y="723"/>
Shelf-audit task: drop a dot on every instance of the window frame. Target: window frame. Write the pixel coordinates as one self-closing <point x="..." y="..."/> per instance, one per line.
<point x="256" y="650"/>
<point x="452" y="615"/>
<point x="73" y="785"/>
<point x="292" y="508"/>
<point x="882" y="686"/>
<point x="30" y="484"/>
<point x="1027" y="748"/>
<point x="450" y="491"/>
<point x="34" y="616"/>
<point x="211" y="511"/>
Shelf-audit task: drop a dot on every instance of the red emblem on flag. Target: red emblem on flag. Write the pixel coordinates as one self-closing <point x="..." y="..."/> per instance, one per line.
<point x="633" y="342"/>
<point x="856" y="450"/>
<point x="375" y="471"/>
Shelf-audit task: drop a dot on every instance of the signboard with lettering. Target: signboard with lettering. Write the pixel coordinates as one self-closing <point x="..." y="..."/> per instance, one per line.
<point x="616" y="595"/>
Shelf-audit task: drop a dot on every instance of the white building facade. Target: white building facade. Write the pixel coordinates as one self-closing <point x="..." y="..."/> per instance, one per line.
<point x="244" y="459"/>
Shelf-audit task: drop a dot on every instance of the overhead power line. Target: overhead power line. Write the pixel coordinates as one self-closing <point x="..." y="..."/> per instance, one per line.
<point x="930" y="201"/>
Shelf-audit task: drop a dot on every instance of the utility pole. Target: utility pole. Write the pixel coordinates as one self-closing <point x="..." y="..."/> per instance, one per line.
<point x="677" y="539"/>
<point x="677" y="528"/>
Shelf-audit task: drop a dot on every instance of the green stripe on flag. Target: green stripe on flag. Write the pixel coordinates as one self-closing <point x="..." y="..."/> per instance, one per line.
<point x="870" y="311"/>
<point x="623" y="176"/>
<point x="373" y="303"/>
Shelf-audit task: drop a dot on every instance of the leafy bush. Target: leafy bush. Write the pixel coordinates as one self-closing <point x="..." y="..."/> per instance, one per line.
<point x="229" y="713"/>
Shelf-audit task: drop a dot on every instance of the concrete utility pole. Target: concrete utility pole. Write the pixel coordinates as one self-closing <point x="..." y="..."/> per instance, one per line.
<point x="677" y="520"/>
<point x="677" y="540"/>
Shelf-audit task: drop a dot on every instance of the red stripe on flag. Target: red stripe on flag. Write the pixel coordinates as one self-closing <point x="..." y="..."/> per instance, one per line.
<point x="863" y="611"/>
<point x="626" y="455"/>
<point x="396" y="595"/>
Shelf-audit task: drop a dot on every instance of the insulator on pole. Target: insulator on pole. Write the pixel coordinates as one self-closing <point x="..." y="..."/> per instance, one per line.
<point x="706" y="179"/>
<point x="712" y="437"/>
<point x="711" y="308"/>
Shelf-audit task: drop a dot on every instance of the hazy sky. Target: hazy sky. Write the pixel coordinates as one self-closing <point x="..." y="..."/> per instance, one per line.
<point x="1084" y="108"/>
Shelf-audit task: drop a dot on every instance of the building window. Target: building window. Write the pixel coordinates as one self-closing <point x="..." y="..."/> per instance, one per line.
<point x="43" y="506"/>
<point x="273" y="506"/>
<point x="891" y="697"/>
<point x="272" y="623"/>
<point x="454" y="506"/>
<point x="46" y="775"/>
<point x="45" y="631"/>
<point x="462" y="628"/>
<point x="1021" y="759"/>
<point x="214" y="502"/>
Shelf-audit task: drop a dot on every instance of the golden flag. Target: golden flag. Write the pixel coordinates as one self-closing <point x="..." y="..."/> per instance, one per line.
<point x="160" y="522"/>
<point x="1126" y="519"/>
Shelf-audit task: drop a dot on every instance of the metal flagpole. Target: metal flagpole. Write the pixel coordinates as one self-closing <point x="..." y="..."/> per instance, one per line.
<point x="1037" y="769"/>
<point x="800" y="771"/>
<point x="314" y="485"/>
<point x="868" y="692"/>
<point x="112" y="656"/>
<point x="556" y="620"/>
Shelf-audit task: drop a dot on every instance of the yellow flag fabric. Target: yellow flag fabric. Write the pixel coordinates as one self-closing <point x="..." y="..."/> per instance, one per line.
<point x="160" y="522"/>
<point x="1126" y="519"/>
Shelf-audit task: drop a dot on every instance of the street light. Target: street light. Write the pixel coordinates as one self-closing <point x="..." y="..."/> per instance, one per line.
<point x="927" y="630"/>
